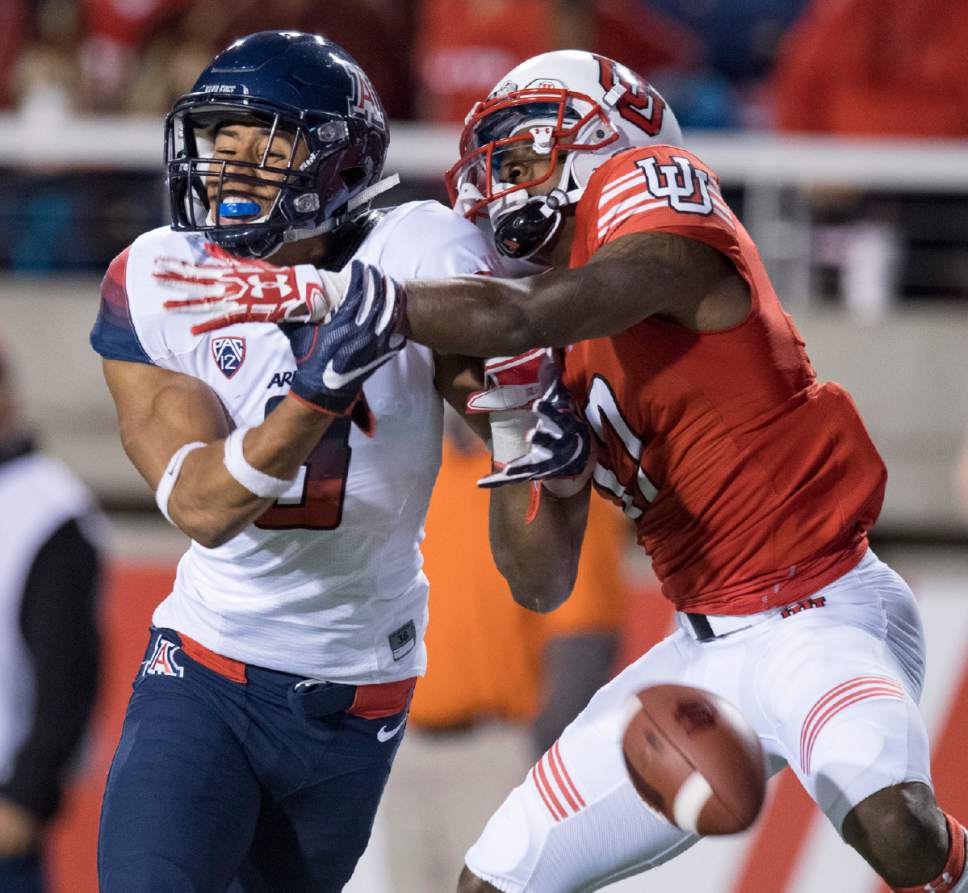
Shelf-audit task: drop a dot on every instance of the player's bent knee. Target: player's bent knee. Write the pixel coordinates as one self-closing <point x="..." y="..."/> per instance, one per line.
<point x="471" y="883"/>
<point x="901" y="832"/>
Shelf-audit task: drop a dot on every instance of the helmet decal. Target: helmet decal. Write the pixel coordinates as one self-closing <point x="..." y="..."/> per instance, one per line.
<point x="364" y="102"/>
<point x="639" y="104"/>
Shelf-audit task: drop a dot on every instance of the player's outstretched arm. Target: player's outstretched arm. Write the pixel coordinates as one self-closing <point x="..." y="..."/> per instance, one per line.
<point x="159" y="412"/>
<point x="539" y="559"/>
<point x="635" y="276"/>
<point x="627" y="280"/>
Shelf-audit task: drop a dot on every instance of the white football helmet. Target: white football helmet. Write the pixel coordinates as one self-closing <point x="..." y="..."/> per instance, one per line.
<point x="580" y="104"/>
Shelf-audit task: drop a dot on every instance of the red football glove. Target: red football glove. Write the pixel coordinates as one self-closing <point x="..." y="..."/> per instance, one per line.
<point x="239" y="289"/>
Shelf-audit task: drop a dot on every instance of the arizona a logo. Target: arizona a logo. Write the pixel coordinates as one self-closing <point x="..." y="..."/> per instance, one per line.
<point x="229" y="353"/>
<point x="162" y="661"/>
<point x="364" y="103"/>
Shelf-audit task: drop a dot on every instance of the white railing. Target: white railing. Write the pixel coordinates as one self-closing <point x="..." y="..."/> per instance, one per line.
<point x="420" y="150"/>
<point x="776" y="174"/>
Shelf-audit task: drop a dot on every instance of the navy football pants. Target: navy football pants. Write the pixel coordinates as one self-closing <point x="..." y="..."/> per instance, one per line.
<point x="22" y="874"/>
<point x="251" y="787"/>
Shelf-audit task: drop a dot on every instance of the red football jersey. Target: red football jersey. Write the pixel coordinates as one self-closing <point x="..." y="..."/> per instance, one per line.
<point x="751" y="484"/>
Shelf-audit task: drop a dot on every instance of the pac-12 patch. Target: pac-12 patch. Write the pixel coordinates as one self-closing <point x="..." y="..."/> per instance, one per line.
<point x="403" y="640"/>
<point x="228" y="352"/>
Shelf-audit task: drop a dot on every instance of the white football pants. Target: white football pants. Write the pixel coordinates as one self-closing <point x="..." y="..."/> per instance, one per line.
<point x="832" y="692"/>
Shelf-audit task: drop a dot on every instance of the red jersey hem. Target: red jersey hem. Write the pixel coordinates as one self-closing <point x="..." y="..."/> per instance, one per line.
<point x="801" y="580"/>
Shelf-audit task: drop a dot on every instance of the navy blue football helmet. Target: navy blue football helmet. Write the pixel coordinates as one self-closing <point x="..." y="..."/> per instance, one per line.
<point x="298" y="85"/>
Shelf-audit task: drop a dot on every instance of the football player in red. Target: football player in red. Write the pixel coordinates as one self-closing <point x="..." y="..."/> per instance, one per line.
<point x="752" y="484"/>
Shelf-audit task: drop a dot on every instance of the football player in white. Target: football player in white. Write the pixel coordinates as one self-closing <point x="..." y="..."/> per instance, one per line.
<point x="278" y="674"/>
<point x="751" y="483"/>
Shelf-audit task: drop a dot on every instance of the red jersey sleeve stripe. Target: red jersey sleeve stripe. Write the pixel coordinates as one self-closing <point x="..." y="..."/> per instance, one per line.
<point x="638" y="205"/>
<point x="620" y="185"/>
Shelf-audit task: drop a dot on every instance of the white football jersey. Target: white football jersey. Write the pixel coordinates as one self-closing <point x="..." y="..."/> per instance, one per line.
<point x="328" y="582"/>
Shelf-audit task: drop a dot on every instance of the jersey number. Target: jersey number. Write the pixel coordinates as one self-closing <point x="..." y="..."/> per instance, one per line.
<point x="628" y="484"/>
<point x="315" y="499"/>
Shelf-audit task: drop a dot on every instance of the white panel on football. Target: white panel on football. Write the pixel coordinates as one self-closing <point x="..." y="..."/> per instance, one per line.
<point x="690" y="800"/>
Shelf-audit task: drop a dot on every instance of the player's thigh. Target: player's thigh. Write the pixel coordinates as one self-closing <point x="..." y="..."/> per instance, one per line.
<point x="840" y="685"/>
<point x="576" y="822"/>
<point x="310" y="840"/>
<point x="181" y="800"/>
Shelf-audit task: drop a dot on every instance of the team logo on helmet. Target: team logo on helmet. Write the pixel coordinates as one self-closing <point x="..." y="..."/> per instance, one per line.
<point x="639" y="104"/>
<point x="363" y="103"/>
<point x="228" y="353"/>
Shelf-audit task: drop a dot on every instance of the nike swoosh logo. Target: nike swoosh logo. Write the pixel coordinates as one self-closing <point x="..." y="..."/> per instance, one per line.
<point x="384" y="735"/>
<point x="336" y="380"/>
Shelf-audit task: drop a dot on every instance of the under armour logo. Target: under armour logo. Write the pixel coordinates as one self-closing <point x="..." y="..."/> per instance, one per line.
<point x="259" y="284"/>
<point x="686" y="188"/>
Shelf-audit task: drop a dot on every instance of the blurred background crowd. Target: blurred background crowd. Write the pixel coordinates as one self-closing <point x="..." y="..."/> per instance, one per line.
<point x="721" y="63"/>
<point x="840" y="130"/>
<point x="839" y="67"/>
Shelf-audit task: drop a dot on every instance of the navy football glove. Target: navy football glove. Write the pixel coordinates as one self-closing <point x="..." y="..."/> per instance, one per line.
<point x="560" y="445"/>
<point x="334" y="359"/>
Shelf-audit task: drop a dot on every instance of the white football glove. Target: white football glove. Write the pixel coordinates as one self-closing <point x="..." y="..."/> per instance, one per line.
<point x="512" y="384"/>
<point x="559" y="447"/>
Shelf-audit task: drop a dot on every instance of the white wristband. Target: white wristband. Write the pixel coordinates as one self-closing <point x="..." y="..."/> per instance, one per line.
<point x="258" y="483"/>
<point x="170" y="476"/>
<point x="509" y="434"/>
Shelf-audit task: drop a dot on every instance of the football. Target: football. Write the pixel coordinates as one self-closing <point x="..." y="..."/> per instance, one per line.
<point x="693" y="758"/>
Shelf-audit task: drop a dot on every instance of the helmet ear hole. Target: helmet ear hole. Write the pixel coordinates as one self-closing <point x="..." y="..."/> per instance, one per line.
<point x="352" y="175"/>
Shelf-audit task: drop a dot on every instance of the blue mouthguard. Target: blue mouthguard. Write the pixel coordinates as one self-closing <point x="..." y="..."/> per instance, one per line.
<point x="238" y="209"/>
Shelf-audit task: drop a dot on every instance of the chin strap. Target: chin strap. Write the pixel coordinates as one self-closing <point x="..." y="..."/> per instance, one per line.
<point x="296" y="234"/>
<point x="367" y="195"/>
<point x="522" y="232"/>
